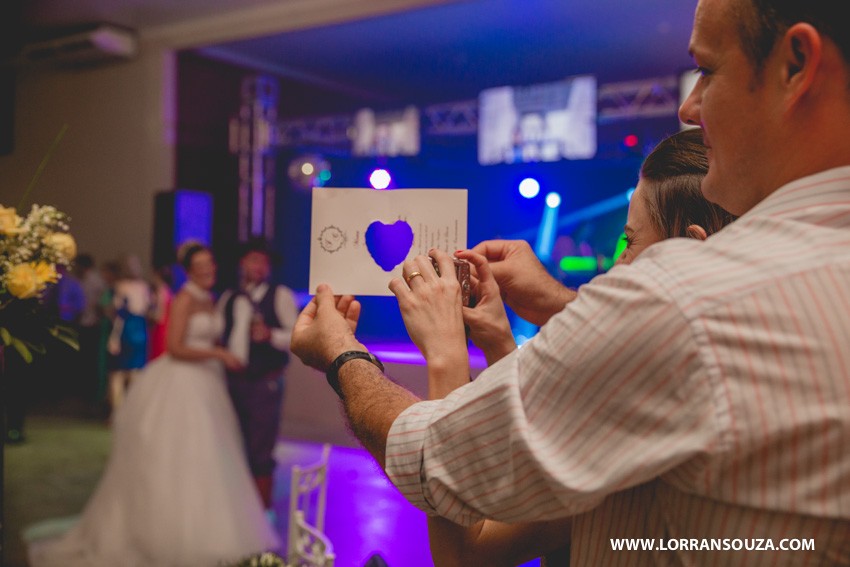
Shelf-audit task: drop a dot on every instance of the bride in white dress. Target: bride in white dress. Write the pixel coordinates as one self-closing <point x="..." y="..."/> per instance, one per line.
<point x="176" y="490"/>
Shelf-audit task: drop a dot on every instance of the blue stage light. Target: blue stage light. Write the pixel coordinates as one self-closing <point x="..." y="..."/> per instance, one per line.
<point x="529" y="188"/>
<point x="380" y="179"/>
<point x="553" y="200"/>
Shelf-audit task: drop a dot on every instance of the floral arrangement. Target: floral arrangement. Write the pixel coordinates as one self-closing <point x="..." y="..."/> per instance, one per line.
<point x="32" y="249"/>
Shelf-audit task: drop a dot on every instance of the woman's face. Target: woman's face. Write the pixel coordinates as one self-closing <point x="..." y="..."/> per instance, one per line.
<point x="202" y="269"/>
<point x="640" y="232"/>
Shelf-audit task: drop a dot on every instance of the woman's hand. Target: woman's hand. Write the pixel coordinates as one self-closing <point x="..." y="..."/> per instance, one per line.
<point x="430" y="305"/>
<point x="488" y="323"/>
<point x="230" y="360"/>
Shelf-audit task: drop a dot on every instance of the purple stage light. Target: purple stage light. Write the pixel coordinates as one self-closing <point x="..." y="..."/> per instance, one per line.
<point x="380" y="179"/>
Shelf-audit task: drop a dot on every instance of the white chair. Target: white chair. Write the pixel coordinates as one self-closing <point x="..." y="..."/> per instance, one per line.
<point x="307" y="545"/>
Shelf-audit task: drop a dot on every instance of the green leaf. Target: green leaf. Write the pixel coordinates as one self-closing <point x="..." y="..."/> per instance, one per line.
<point x="6" y="336"/>
<point x="36" y="348"/>
<point x="66" y="335"/>
<point x="22" y="350"/>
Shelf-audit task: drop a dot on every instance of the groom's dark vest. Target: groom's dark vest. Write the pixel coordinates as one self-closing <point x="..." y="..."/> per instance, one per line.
<point x="263" y="358"/>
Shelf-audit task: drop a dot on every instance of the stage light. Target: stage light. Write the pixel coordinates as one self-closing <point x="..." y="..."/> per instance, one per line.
<point x="630" y="141"/>
<point x="546" y="233"/>
<point x="629" y="194"/>
<point x="308" y="171"/>
<point x="579" y="264"/>
<point x="380" y="179"/>
<point x="529" y="188"/>
<point x="620" y="248"/>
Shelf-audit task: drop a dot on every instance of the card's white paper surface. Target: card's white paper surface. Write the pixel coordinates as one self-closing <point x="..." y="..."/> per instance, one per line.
<point x="358" y="234"/>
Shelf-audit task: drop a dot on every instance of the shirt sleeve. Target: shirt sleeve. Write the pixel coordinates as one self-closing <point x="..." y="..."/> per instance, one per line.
<point x="239" y="341"/>
<point x="609" y="394"/>
<point x="287" y="312"/>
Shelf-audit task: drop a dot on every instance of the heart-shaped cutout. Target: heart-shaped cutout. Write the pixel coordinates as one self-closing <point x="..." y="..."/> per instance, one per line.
<point x="389" y="244"/>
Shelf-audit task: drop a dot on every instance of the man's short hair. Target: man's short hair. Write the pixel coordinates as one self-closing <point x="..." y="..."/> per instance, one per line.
<point x="763" y="22"/>
<point x="260" y="246"/>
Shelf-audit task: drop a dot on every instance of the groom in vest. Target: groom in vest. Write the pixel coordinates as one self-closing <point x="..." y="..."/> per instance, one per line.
<point x="259" y="317"/>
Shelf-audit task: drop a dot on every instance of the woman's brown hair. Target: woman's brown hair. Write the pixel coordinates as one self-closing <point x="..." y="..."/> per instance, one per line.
<point x="673" y="173"/>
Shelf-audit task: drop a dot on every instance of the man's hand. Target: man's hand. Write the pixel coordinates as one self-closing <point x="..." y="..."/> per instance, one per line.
<point x="260" y="333"/>
<point x="325" y="328"/>
<point x="525" y="284"/>
<point x="488" y="323"/>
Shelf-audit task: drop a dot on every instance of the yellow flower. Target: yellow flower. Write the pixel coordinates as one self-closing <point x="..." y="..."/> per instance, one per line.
<point x="63" y="243"/>
<point x="45" y="273"/>
<point x="22" y="281"/>
<point x="9" y="221"/>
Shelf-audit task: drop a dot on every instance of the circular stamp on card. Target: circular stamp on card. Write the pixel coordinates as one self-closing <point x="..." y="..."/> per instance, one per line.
<point x="332" y="239"/>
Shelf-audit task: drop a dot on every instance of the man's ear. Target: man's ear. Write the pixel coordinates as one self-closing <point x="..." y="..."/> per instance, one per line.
<point x="696" y="231"/>
<point x="801" y="50"/>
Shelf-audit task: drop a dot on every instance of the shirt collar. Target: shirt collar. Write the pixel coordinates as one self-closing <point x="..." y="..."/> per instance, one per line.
<point x="256" y="291"/>
<point x="830" y="187"/>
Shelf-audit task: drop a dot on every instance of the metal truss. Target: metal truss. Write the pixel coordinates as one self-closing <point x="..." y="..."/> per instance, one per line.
<point x="458" y="118"/>
<point x="649" y="98"/>
<point x="324" y="131"/>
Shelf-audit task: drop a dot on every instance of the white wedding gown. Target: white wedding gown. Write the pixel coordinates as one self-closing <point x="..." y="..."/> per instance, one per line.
<point x="176" y="490"/>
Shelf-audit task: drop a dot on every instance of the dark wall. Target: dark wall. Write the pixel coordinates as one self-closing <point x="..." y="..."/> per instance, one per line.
<point x="11" y="41"/>
<point x="208" y="94"/>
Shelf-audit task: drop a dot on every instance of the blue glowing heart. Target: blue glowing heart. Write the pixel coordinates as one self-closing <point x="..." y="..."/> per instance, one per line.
<point x="389" y="244"/>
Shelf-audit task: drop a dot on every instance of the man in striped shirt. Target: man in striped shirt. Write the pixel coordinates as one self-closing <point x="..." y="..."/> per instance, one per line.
<point x="701" y="393"/>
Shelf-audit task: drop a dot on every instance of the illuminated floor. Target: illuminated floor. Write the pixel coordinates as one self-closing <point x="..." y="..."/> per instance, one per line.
<point x="365" y="513"/>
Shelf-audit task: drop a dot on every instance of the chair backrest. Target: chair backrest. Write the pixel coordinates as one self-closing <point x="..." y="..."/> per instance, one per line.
<point x="308" y="546"/>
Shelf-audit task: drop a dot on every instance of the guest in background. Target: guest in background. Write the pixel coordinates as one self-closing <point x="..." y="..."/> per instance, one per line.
<point x="110" y="272"/>
<point x="62" y="373"/>
<point x="128" y="341"/>
<point x="162" y="282"/>
<point x="259" y="317"/>
<point x="90" y="328"/>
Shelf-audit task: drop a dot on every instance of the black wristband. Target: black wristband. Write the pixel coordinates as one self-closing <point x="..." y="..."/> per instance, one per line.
<point x="333" y="370"/>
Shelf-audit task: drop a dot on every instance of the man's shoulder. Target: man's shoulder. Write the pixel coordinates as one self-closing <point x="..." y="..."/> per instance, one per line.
<point x="229" y="297"/>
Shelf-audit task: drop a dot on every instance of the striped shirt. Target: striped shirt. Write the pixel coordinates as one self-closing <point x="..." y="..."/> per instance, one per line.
<point x="702" y="392"/>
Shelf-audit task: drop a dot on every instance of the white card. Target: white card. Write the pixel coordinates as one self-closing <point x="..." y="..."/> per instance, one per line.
<point x="360" y="237"/>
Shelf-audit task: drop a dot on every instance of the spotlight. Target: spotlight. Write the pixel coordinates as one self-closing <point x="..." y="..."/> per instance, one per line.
<point x="380" y="179"/>
<point x="553" y="200"/>
<point x="308" y="171"/>
<point x="529" y="188"/>
<point x="630" y="141"/>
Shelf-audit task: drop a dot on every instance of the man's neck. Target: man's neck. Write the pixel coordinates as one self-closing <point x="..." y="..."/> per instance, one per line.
<point x="251" y="286"/>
